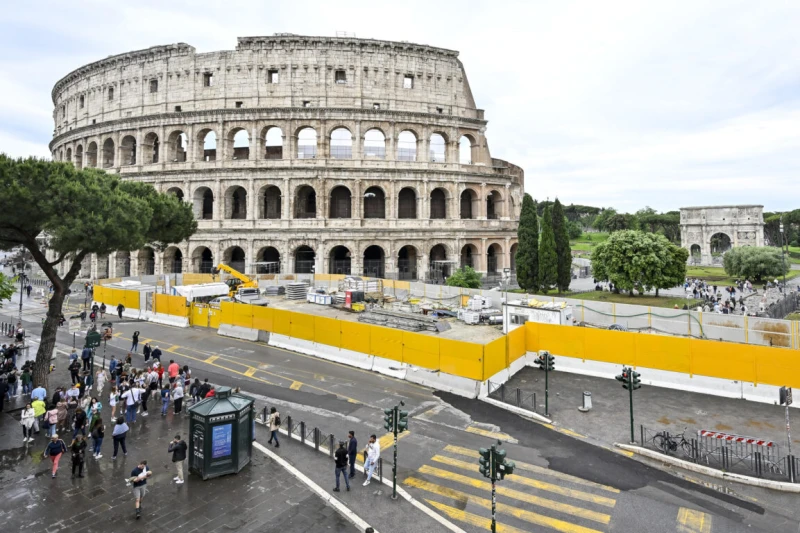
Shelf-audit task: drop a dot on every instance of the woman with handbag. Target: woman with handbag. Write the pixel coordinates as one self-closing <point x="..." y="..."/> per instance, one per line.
<point x="55" y="449"/>
<point x="119" y="434"/>
<point x="27" y="419"/>
<point x="98" y="431"/>
<point x="61" y="424"/>
<point x="50" y="421"/>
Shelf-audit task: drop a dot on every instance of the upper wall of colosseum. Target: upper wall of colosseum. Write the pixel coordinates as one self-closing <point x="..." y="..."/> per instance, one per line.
<point x="266" y="72"/>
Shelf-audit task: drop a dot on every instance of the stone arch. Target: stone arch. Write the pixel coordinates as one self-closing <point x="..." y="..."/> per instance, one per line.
<point x="374" y="262"/>
<point x="79" y="156"/>
<point x="203" y="199"/>
<point x="177" y="192"/>
<point x="469" y="204"/>
<point x="235" y="257"/>
<point x="147" y="261"/>
<point x="271" y="259"/>
<point x="340" y="260"/>
<point x="513" y="257"/>
<point x="407" y="146"/>
<point x="439" y="265"/>
<point x="239" y="140"/>
<point x="494" y="205"/>
<point x="438" y="201"/>
<point x="407" y="203"/>
<point x="375" y="144"/>
<point x="341" y="202"/>
<point x="306" y="142"/>
<point x="304" y="257"/>
<point x="470" y="257"/>
<point x="305" y="202"/>
<point x="203" y="259"/>
<point x="374" y="202"/>
<point x="108" y="153"/>
<point x="123" y="264"/>
<point x="720" y="243"/>
<point x="236" y="203"/>
<point x="206" y="145"/>
<point x="438" y="148"/>
<point x="177" y="147"/>
<point x="407" y="257"/>
<point x="494" y="259"/>
<point x="127" y="151"/>
<point x="173" y="260"/>
<point x="269" y="202"/>
<point x="273" y="142"/>
<point x="341" y="140"/>
<point x="151" y="149"/>
<point x="466" y="150"/>
<point x="696" y="254"/>
<point x="69" y="155"/>
<point x="91" y="155"/>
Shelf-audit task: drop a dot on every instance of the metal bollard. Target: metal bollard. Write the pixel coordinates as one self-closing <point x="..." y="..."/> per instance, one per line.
<point x="503" y="393"/>
<point x="331" y="444"/>
<point x="302" y="432"/>
<point x="289" y="426"/>
<point x="757" y="465"/>
<point x="534" y="402"/>
<point x="519" y="396"/>
<point x="316" y="439"/>
<point x="264" y="416"/>
<point x="380" y="469"/>
<point x="641" y="435"/>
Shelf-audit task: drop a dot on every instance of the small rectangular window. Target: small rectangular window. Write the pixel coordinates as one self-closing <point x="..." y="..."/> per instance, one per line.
<point x="177" y="109"/>
<point x="376" y="106"/>
<point x="94" y="121"/>
<point x="238" y="105"/>
<point x="341" y="76"/>
<point x="440" y="110"/>
<point x="408" y="81"/>
<point x="153" y="86"/>
<point x="110" y="93"/>
<point x="81" y="101"/>
<point x="306" y="103"/>
<point x="272" y="76"/>
<point x="208" y="79"/>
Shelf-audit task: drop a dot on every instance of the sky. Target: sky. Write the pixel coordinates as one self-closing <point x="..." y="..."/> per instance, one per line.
<point x="615" y="103"/>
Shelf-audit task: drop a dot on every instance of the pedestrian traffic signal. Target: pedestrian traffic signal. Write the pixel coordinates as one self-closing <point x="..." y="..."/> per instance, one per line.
<point x="635" y="381"/>
<point x="402" y="421"/>
<point x="388" y="420"/>
<point x="508" y="468"/>
<point x="485" y="462"/>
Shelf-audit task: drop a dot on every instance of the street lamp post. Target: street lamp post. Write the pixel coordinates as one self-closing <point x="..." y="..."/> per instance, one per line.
<point x="783" y="256"/>
<point x="21" y="289"/>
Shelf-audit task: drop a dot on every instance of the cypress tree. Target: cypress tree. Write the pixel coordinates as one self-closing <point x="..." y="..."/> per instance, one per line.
<point x="563" y="251"/>
<point x="548" y="260"/>
<point x="527" y="258"/>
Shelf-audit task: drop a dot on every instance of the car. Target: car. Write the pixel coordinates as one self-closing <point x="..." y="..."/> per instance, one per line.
<point x="218" y="300"/>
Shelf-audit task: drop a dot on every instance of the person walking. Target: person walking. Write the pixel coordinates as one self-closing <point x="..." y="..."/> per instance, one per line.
<point x="26" y="420"/>
<point x="100" y="380"/>
<point x="27" y="381"/>
<point x="173" y="369"/>
<point x="103" y="310"/>
<point x="146" y="351"/>
<point x="156" y="354"/>
<point x="352" y="451"/>
<point x="340" y="456"/>
<point x="29" y="289"/>
<point x="74" y="371"/>
<point x="135" y="342"/>
<point x="120" y="309"/>
<point x="3" y="389"/>
<point x="164" y="399"/>
<point x="118" y="436"/>
<point x="86" y="383"/>
<point x="39" y="393"/>
<point x="194" y="391"/>
<point x="39" y="410"/>
<point x="178" y="449"/>
<point x="61" y="424"/>
<point x="98" y="432"/>
<point x="131" y="397"/>
<point x="86" y="357"/>
<point x="78" y="449"/>
<point x="50" y="420"/>
<point x="113" y="398"/>
<point x="138" y="478"/>
<point x="54" y="450"/>
<point x="274" y="423"/>
<point x="373" y="454"/>
<point x="80" y="422"/>
<point x="177" y="398"/>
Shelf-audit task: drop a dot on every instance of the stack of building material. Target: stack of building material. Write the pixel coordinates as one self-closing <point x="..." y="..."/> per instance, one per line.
<point x="275" y="290"/>
<point x="297" y="290"/>
<point x="399" y="320"/>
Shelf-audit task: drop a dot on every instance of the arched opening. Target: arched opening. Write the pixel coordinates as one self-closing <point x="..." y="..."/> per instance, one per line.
<point x="269" y="261"/>
<point x="240" y="140"/>
<point x="203" y="260"/>
<point x="69" y="155"/>
<point x="494" y="203"/>
<point x="406" y="146"/>
<point x="407" y="203"/>
<point x="270" y="202"/>
<point x="203" y="203"/>
<point x="407" y="263"/>
<point x="79" y="156"/>
<point x="513" y="254"/>
<point x="108" y="153"/>
<point x="468" y="201"/>
<point x="234" y="257"/>
<point x="494" y="260"/>
<point x="177" y="145"/>
<point x="207" y="145"/>
<point x="374" y="203"/>
<point x="375" y="144"/>
<point x="339" y="261"/>
<point x="437" y="148"/>
<point x="173" y="260"/>
<point x="91" y="155"/>
<point x="305" y="202"/>
<point x="304" y="260"/>
<point x="236" y="203"/>
<point x="374" y="262"/>
<point x="341" y="144"/>
<point x="273" y="147"/>
<point x="307" y="144"/>
<point x="439" y="266"/>
<point x="696" y="254"/>
<point x="147" y="261"/>
<point x="123" y="262"/>
<point x="469" y="256"/>
<point x="341" y="200"/>
<point x="151" y="149"/>
<point x="177" y="192"/>
<point x="465" y="150"/>
<point x="127" y="151"/>
<point x="720" y="243"/>
<point x="438" y="204"/>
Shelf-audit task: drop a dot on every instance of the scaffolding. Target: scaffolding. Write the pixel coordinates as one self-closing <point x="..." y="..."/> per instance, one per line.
<point x="441" y="269"/>
<point x="266" y="267"/>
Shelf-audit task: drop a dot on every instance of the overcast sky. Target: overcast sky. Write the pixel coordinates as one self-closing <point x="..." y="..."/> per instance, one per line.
<point x="610" y="103"/>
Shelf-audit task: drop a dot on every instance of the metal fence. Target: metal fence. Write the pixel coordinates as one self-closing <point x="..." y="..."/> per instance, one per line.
<point x="788" y="304"/>
<point x="512" y="396"/>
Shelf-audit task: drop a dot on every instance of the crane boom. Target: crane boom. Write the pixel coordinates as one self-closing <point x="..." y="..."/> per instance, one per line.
<point x="240" y="280"/>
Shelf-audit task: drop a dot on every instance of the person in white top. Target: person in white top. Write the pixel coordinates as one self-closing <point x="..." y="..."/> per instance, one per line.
<point x="373" y="454"/>
<point x="131" y="397"/>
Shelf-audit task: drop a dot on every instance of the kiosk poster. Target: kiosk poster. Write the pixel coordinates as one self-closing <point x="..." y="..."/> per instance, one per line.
<point x="221" y="437"/>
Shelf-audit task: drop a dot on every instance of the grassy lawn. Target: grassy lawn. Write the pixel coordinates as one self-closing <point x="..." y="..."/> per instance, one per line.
<point x="794" y="254"/>
<point x="661" y="301"/>
<point x="793" y="316"/>
<point x="587" y="241"/>
<point x="717" y="275"/>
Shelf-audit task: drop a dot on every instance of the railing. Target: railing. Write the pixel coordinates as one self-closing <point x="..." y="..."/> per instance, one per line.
<point x="516" y="396"/>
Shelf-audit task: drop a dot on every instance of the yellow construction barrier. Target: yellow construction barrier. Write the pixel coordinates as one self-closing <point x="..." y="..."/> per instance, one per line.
<point x="197" y="279"/>
<point x="355" y="336"/>
<point x="421" y="350"/>
<point x="461" y="358"/>
<point x="494" y="357"/>
<point x="386" y="343"/>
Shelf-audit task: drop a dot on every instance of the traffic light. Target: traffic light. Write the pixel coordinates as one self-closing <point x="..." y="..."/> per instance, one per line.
<point x="485" y="462"/>
<point x="499" y="458"/>
<point x="623" y="378"/>
<point x="635" y="381"/>
<point x="388" y="420"/>
<point x="402" y="421"/>
<point x="550" y="362"/>
<point x="540" y="362"/>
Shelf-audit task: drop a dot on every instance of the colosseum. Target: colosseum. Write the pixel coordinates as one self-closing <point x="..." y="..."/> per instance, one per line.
<point x="299" y="155"/>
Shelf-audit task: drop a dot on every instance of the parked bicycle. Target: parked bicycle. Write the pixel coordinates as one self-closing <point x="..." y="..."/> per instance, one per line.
<point x="670" y="443"/>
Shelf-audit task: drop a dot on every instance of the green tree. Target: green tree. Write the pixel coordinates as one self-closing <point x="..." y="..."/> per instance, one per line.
<point x="674" y="271"/>
<point x="574" y="229"/>
<point x="755" y="263"/>
<point x="527" y="258"/>
<point x="7" y="287"/>
<point x="465" y="277"/>
<point x="74" y="213"/>
<point x="548" y="256"/>
<point x="563" y="251"/>
<point x="601" y="219"/>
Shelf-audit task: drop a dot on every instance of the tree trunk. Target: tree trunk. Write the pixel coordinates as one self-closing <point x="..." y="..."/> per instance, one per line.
<point x="41" y="369"/>
<point x="656" y="292"/>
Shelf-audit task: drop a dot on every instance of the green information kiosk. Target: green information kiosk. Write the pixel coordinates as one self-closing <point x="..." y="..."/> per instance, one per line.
<point x="220" y="434"/>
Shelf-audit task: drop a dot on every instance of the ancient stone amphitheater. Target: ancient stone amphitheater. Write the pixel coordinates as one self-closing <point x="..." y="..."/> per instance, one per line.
<point x="299" y="155"/>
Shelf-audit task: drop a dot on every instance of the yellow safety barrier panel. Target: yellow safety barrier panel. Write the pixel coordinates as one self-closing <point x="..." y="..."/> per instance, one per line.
<point x="421" y="350"/>
<point x="281" y="322"/>
<point x="160" y="304"/>
<point x="214" y="317"/>
<point x="327" y="331"/>
<point x="494" y="357"/>
<point x="604" y="345"/>
<point x="198" y="316"/>
<point x="558" y="341"/>
<point x="664" y="353"/>
<point x="532" y="336"/>
<point x="197" y="279"/>
<point x="243" y="315"/>
<point x="461" y="358"/>
<point x="263" y="318"/>
<point x="355" y="336"/>
<point x="516" y="347"/>
<point x="302" y="326"/>
<point x="226" y="312"/>
<point x="386" y="343"/>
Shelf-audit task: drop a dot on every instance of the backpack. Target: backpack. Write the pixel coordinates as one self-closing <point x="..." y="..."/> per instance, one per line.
<point x="277" y="420"/>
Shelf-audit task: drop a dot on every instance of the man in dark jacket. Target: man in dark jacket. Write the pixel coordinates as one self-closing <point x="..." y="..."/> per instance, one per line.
<point x="74" y="371"/>
<point x="341" y="466"/>
<point x="157" y="354"/>
<point x="120" y="309"/>
<point x="352" y="451"/>
<point x="147" y="351"/>
<point x="86" y="357"/>
<point x="178" y="449"/>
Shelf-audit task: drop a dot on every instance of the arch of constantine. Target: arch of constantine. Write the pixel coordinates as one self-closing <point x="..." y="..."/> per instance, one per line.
<point x="710" y="231"/>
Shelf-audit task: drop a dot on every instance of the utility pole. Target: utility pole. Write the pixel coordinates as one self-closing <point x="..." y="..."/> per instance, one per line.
<point x="783" y="257"/>
<point x="21" y="289"/>
<point x="494" y="465"/>
<point x="395" y="421"/>
<point x="547" y="363"/>
<point x="630" y="381"/>
<point x="785" y="397"/>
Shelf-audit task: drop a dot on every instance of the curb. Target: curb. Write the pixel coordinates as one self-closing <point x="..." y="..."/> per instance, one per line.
<point x="341" y="508"/>
<point x="516" y="410"/>
<point x="708" y="471"/>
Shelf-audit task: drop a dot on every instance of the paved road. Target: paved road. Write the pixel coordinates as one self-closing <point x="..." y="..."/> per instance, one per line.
<point x="562" y="483"/>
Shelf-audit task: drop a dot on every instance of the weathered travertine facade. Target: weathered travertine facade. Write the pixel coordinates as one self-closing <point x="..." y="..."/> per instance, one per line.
<point x="303" y="154"/>
<point x="708" y="232"/>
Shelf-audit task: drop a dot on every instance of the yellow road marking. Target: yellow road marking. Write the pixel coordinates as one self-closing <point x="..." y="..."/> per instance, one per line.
<point x="384" y="443"/>
<point x="172" y="348"/>
<point x="117" y="334"/>
<point x="296" y="385"/>
<point x="211" y="359"/>
<point x="535" y="483"/>
<point x="472" y="519"/>
<point x="511" y="493"/>
<point x="491" y="434"/>
<point x="528" y="516"/>
<point x="250" y="372"/>
<point x="691" y="521"/>
<point x="564" y="431"/>
<point x="537" y="469"/>
<point x="626" y="453"/>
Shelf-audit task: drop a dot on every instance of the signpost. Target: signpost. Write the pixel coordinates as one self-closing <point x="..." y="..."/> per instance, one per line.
<point x="785" y="397"/>
<point x="74" y="324"/>
<point x="395" y="421"/>
<point x="93" y="339"/>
